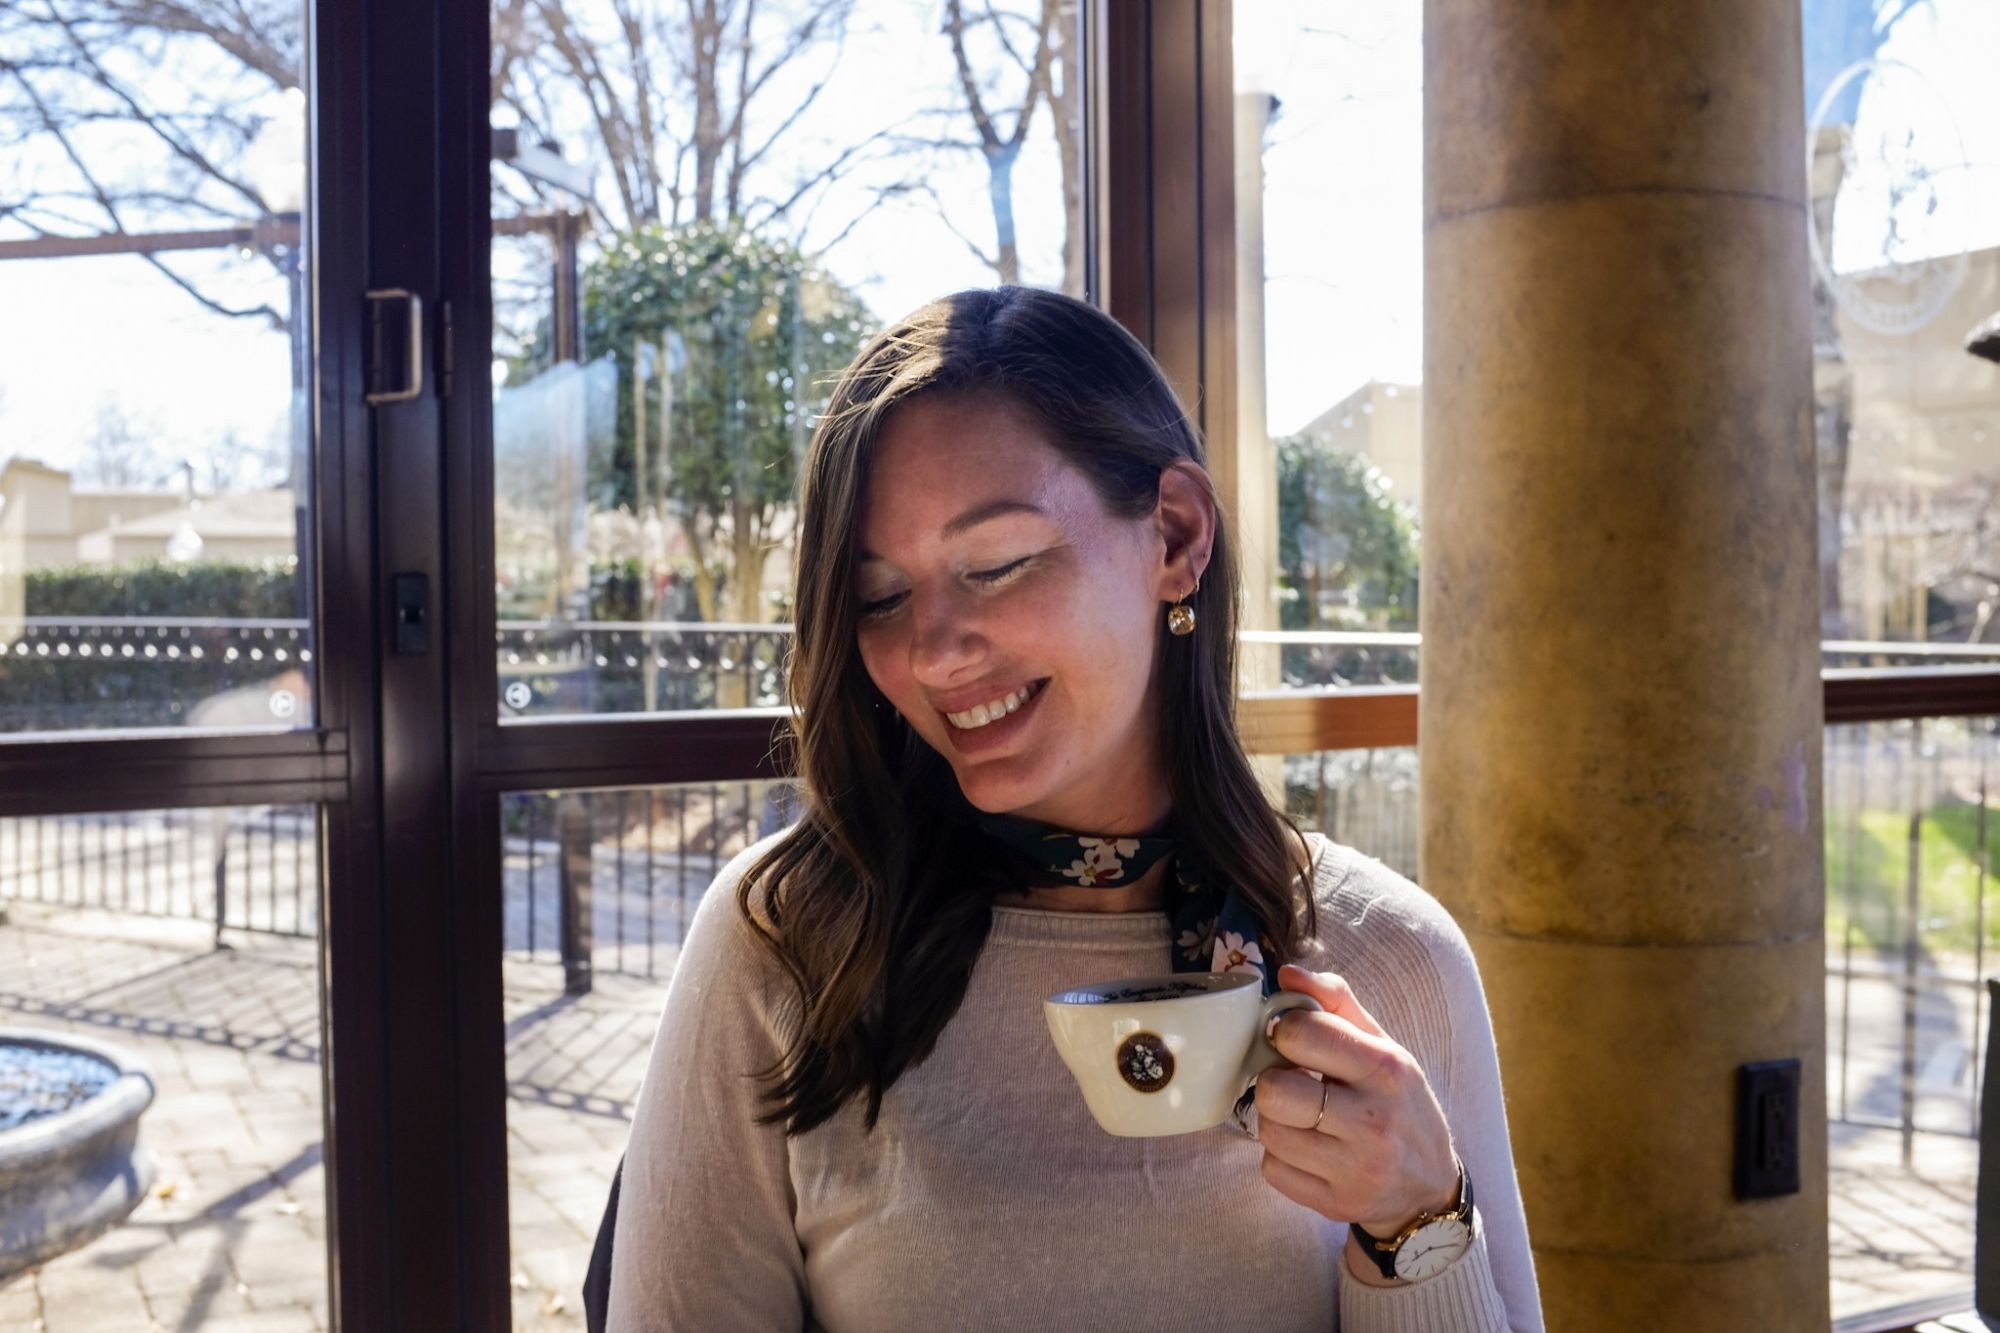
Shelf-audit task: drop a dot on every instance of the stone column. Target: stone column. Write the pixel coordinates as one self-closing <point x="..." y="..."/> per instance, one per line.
<point x="1621" y="714"/>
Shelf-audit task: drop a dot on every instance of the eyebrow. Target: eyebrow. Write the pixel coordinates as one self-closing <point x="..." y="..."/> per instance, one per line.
<point x="976" y="515"/>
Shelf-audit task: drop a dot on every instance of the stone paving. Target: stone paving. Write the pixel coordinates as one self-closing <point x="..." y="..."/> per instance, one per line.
<point x="233" y="1235"/>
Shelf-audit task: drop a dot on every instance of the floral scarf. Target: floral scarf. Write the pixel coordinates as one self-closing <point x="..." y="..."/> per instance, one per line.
<point x="1214" y="930"/>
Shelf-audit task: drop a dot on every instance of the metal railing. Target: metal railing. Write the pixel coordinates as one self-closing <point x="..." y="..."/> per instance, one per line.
<point x="251" y="869"/>
<point x="618" y="666"/>
<point x="78" y="673"/>
<point x="81" y="673"/>
<point x="607" y="880"/>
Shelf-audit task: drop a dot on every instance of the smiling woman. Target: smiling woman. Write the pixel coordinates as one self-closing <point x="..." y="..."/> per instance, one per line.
<point x="1015" y="636"/>
<point x="1017" y="778"/>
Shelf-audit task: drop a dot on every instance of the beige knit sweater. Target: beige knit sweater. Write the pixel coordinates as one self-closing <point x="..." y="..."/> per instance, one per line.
<point x="986" y="1196"/>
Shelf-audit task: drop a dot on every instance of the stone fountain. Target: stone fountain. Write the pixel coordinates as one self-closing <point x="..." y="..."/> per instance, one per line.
<point x="71" y="1164"/>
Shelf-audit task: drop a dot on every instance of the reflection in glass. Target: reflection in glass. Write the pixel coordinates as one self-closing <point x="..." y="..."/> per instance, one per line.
<point x="154" y="370"/>
<point x="673" y="298"/>
<point x="1903" y="173"/>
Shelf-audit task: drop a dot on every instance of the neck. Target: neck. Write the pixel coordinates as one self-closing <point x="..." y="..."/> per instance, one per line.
<point x="1144" y="894"/>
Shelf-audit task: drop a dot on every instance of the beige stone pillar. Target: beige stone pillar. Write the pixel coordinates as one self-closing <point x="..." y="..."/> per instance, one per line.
<point x="1621" y="716"/>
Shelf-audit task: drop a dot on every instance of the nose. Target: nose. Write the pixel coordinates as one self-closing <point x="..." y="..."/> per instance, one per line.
<point x="945" y="640"/>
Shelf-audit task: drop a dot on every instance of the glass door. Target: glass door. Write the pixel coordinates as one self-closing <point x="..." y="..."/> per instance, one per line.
<point x="225" y="872"/>
<point x="167" y="753"/>
<point x="693" y="218"/>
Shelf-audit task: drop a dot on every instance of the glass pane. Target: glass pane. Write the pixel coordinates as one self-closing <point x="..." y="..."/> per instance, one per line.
<point x="671" y="299"/>
<point x="1903" y="176"/>
<point x="154" y="370"/>
<point x="182" y="944"/>
<point x="1912" y="824"/>
<point x="1365" y="799"/>
<point x="1903" y="144"/>
<point x="1329" y="191"/>
<point x="599" y="888"/>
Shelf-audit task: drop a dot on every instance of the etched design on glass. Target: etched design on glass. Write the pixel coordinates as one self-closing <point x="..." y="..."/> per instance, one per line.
<point x="1899" y="181"/>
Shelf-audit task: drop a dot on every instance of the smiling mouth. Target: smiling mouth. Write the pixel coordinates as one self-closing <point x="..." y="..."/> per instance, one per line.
<point x="980" y="715"/>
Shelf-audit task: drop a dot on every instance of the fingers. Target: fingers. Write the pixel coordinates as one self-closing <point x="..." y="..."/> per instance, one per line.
<point x="1329" y="1044"/>
<point x="1333" y="993"/>
<point x="1293" y="1098"/>
<point x="1301" y="1187"/>
<point x="1288" y="1097"/>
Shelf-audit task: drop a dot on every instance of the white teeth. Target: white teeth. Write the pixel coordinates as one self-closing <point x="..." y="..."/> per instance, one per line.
<point x="980" y="714"/>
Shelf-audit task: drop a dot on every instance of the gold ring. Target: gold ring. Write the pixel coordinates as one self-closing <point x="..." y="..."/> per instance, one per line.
<point x="1324" y="1087"/>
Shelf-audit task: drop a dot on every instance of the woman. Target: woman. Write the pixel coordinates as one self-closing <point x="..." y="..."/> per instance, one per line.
<point x="1012" y="704"/>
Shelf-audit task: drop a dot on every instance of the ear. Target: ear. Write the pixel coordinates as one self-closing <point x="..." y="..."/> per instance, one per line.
<point x="1184" y="518"/>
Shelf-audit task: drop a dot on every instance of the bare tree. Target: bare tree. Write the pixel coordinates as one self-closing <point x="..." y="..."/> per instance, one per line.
<point x="120" y="451"/>
<point x="125" y="116"/>
<point x="229" y="462"/>
<point x="683" y="108"/>
<point x="120" y="117"/>
<point x="1037" y="65"/>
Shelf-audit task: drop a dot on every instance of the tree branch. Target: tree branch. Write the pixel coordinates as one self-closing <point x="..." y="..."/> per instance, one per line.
<point x="277" y="320"/>
<point x="187" y="152"/>
<point x="954" y="26"/>
<point x="831" y="171"/>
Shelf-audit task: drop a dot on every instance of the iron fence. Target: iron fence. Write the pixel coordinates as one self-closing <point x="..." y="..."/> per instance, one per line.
<point x="606" y="881"/>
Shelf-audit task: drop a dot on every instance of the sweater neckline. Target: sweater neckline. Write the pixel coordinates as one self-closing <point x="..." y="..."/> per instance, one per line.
<point x="1041" y="926"/>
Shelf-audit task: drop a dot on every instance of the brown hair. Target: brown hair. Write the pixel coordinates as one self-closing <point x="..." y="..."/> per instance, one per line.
<point x="877" y="902"/>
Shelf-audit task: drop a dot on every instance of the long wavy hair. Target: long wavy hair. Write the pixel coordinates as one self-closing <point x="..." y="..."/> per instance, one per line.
<point x="878" y="900"/>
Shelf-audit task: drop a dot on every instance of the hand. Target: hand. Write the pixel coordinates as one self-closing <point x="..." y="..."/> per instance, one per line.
<point x="1382" y="1153"/>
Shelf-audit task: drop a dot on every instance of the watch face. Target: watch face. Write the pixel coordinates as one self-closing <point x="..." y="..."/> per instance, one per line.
<point x="1431" y="1249"/>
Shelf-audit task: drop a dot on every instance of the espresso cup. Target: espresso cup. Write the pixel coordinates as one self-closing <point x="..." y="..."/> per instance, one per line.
<point x="1167" y="1054"/>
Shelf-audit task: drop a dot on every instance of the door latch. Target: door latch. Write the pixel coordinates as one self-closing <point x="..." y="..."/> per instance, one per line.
<point x="413" y="613"/>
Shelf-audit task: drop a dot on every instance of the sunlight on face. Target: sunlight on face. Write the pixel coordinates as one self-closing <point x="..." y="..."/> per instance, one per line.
<point x="1010" y="618"/>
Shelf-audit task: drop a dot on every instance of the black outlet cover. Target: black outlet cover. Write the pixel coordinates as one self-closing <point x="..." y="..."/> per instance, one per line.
<point x="1767" y="1129"/>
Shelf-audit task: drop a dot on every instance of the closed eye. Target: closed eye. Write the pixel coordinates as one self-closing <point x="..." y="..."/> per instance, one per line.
<point x="882" y="606"/>
<point x="996" y="575"/>
<point x="875" y="610"/>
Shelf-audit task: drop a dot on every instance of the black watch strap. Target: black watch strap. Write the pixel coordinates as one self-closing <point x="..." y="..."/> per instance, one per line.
<point x="1383" y="1252"/>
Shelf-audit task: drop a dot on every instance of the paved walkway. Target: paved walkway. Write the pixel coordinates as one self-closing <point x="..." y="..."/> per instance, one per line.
<point x="233" y="1236"/>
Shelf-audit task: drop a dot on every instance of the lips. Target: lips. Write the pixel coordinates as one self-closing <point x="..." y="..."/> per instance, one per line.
<point x="997" y="730"/>
<point x="993" y="708"/>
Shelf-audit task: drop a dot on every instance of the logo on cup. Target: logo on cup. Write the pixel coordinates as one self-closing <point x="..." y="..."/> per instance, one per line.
<point x="1145" y="1062"/>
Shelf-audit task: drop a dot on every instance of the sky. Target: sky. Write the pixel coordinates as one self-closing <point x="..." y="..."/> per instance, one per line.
<point x="1342" y="212"/>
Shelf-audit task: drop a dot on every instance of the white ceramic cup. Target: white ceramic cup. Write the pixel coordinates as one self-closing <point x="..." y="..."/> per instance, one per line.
<point x="1167" y="1054"/>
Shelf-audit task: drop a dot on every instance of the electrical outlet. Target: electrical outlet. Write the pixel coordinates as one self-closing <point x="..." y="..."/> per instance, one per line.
<point x="1767" y="1129"/>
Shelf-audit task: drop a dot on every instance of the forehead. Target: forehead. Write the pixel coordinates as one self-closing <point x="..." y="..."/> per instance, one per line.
<point x="936" y="457"/>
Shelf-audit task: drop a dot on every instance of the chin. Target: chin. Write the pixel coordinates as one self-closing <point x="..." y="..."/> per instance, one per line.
<point x="995" y="795"/>
<point x="993" y="798"/>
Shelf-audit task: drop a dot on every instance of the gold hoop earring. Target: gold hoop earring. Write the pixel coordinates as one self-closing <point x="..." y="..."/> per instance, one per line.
<point x="1180" y="617"/>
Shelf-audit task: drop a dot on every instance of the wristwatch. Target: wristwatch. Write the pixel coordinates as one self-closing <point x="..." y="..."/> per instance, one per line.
<point x="1426" y="1246"/>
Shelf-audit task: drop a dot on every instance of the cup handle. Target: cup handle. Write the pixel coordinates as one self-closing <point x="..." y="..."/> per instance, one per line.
<point x="1263" y="1055"/>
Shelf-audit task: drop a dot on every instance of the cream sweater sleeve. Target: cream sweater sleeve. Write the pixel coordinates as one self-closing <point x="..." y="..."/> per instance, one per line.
<point x="705" y="1237"/>
<point x="1413" y="948"/>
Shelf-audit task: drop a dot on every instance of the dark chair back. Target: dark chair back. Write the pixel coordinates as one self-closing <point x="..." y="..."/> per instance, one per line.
<point x="597" y="1278"/>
